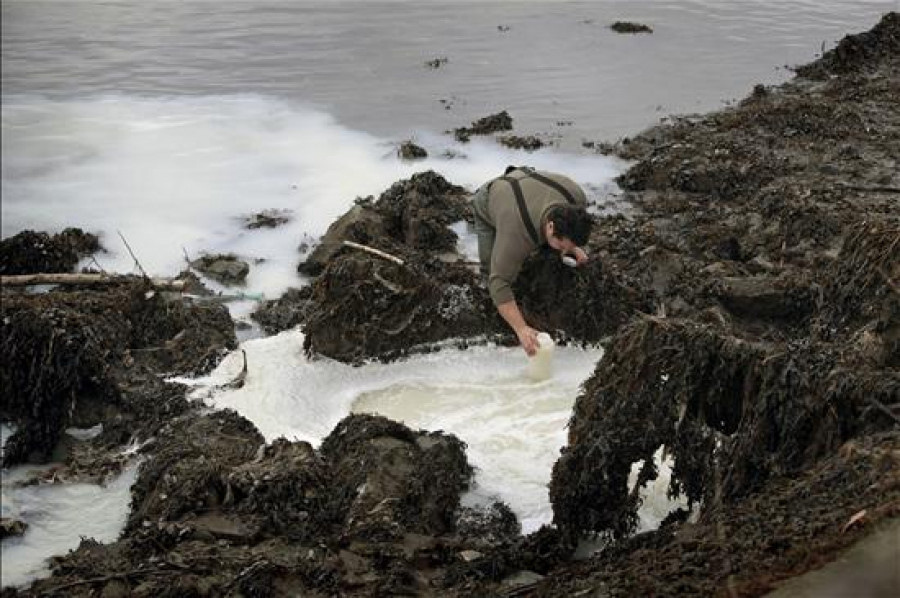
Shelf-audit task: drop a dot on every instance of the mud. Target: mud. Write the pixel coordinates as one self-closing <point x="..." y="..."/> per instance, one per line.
<point x="31" y="252"/>
<point x="749" y="305"/>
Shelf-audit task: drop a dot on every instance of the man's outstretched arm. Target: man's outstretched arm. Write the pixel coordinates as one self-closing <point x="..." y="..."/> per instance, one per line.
<point x="509" y="311"/>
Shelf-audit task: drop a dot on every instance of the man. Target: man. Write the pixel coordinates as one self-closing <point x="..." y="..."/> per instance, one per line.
<point x="516" y="213"/>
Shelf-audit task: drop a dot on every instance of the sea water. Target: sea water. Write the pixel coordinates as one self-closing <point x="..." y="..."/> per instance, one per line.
<point x="171" y="122"/>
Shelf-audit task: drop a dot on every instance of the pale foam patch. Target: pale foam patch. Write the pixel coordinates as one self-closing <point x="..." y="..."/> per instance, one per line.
<point x="176" y="175"/>
<point x="58" y="516"/>
<point x="655" y="503"/>
<point x="514" y="427"/>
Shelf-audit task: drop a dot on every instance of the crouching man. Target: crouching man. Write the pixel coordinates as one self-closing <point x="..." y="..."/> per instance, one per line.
<point x="516" y="213"/>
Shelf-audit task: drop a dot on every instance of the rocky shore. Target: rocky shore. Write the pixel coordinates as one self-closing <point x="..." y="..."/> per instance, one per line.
<point x="749" y="303"/>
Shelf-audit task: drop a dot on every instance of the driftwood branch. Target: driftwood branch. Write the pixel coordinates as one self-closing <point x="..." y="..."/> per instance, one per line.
<point x="134" y="257"/>
<point x="24" y="280"/>
<point x="373" y="251"/>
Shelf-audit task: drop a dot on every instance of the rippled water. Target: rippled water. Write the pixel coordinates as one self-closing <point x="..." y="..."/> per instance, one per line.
<point x="554" y="62"/>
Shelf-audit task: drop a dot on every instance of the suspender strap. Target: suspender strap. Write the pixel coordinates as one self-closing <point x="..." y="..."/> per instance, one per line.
<point x="523" y="210"/>
<point x="551" y="183"/>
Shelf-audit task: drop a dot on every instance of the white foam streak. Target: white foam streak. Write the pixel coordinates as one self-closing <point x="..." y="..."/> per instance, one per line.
<point x="178" y="174"/>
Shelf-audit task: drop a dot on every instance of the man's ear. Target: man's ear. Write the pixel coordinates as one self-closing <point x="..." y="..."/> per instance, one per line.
<point x="550" y="229"/>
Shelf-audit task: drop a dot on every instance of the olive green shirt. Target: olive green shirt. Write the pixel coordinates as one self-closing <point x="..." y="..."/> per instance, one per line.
<point x="512" y="243"/>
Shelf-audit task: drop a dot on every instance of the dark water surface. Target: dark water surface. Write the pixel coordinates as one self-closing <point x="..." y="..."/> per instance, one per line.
<point x="549" y="63"/>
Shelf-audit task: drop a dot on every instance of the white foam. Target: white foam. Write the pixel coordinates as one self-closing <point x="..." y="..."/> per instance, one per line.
<point x="514" y="427"/>
<point x="58" y="516"/>
<point x="176" y="175"/>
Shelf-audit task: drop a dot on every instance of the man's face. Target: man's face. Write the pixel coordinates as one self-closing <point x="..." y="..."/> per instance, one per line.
<point x="561" y="244"/>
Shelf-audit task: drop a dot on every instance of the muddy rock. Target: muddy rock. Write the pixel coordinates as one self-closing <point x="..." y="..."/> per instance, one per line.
<point x="31" y="252"/>
<point x="494" y="123"/>
<point x="225" y="268"/>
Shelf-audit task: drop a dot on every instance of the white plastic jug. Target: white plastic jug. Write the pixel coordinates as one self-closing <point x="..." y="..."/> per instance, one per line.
<point x="540" y="365"/>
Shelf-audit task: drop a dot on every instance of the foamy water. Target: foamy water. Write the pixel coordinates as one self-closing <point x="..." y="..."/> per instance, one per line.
<point x="514" y="427"/>
<point x="176" y="176"/>
<point x="58" y="517"/>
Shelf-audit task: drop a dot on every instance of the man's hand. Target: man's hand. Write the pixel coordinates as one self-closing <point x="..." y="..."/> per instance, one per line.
<point x="527" y="335"/>
<point x="581" y="258"/>
<point x="528" y="339"/>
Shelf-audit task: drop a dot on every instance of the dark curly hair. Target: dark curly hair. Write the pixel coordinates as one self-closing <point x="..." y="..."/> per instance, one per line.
<point x="571" y="222"/>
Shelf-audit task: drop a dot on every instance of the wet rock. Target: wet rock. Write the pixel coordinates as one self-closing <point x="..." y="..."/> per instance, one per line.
<point x="225" y="268"/>
<point x="437" y="62"/>
<point x="764" y="297"/>
<point x="410" y="151"/>
<point x="11" y="527"/>
<point x="403" y="481"/>
<point x="630" y="27"/>
<point x="494" y="123"/>
<point x="360" y="225"/>
<point x="529" y="143"/>
<point x="267" y="219"/>
<point x="286" y="312"/>
<point x="31" y="252"/>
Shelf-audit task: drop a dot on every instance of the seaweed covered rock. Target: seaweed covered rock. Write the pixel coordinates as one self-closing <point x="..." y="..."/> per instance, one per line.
<point x="284" y="313"/>
<point x="493" y="123"/>
<point x="403" y="481"/>
<point x="859" y="51"/>
<point x="793" y="524"/>
<point x="372" y="513"/>
<point x="413" y="214"/>
<point x="731" y="413"/>
<point x="31" y="252"/>
<point x="69" y="349"/>
<point x="366" y="307"/>
<point x="584" y="304"/>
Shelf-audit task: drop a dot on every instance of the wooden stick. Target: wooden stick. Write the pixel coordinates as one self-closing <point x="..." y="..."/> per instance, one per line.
<point x="374" y="251"/>
<point x="134" y="257"/>
<point x="24" y="280"/>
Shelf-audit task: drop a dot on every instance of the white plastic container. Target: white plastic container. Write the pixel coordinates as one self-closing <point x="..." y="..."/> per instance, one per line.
<point x="540" y="365"/>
